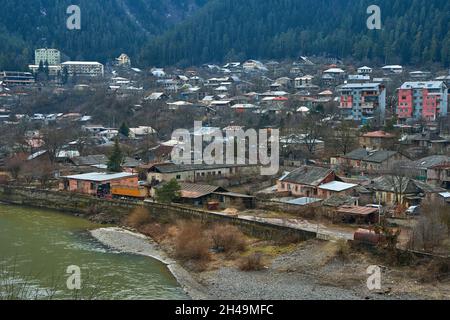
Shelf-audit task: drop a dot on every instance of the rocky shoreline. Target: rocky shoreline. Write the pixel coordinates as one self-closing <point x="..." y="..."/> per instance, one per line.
<point x="135" y="243"/>
<point x="292" y="276"/>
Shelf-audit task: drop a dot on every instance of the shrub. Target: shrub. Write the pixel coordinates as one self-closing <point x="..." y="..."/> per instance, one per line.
<point x="228" y="239"/>
<point x="155" y="231"/>
<point x="191" y="243"/>
<point x="342" y="250"/>
<point x="436" y="270"/>
<point x="253" y="262"/>
<point x="139" y="217"/>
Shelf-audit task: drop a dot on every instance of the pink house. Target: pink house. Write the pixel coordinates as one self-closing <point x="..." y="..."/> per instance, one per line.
<point x="305" y="181"/>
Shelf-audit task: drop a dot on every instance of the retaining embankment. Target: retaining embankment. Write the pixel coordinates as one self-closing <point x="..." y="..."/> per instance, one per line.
<point x="115" y="210"/>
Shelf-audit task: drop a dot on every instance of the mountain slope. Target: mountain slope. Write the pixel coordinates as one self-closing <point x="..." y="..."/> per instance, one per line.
<point x="414" y="31"/>
<point x="108" y="27"/>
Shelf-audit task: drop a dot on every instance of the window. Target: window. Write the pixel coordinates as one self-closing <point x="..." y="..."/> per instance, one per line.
<point x="92" y="186"/>
<point x="178" y="177"/>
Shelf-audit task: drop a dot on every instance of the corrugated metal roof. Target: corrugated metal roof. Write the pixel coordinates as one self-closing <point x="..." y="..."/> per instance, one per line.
<point x="100" y="177"/>
<point x="194" y="190"/>
<point x="337" y="186"/>
<point x="354" y="210"/>
<point x="303" y="201"/>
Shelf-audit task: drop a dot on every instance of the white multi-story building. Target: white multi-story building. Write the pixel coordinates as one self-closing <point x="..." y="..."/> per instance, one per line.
<point x="83" y="68"/>
<point x="52" y="56"/>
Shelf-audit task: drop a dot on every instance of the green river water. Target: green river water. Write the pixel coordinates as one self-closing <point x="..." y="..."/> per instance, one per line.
<point x="37" y="246"/>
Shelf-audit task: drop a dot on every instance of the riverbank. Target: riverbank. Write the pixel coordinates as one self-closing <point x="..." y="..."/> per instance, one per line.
<point x="309" y="272"/>
<point x="135" y="243"/>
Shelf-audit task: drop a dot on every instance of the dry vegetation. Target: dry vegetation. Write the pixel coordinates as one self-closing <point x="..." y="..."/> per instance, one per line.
<point x="432" y="229"/>
<point x="138" y="218"/>
<point x="253" y="262"/>
<point x="191" y="243"/>
<point x="228" y="239"/>
<point x="203" y="247"/>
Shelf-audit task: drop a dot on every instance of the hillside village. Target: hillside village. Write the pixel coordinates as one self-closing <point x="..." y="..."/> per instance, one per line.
<point x="358" y="144"/>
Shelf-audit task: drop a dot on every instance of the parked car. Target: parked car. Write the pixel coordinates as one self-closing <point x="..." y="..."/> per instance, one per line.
<point x="413" y="211"/>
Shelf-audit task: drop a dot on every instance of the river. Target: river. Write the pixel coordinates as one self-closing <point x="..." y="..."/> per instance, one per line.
<point x="37" y="246"/>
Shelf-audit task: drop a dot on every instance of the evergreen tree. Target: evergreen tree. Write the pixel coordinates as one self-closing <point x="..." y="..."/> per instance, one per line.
<point x="168" y="192"/>
<point x="124" y="130"/>
<point x="116" y="158"/>
<point x="46" y="69"/>
<point x="41" y="67"/>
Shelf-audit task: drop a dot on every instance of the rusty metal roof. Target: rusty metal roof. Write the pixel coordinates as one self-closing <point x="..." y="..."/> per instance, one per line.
<point x="355" y="210"/>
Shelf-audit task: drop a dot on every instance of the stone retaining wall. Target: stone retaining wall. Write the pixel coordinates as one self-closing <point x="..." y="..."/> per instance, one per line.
<point x="117" y="209"/>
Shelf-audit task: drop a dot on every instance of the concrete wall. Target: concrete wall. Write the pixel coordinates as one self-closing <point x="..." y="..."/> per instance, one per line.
<point x="117" y="209"/>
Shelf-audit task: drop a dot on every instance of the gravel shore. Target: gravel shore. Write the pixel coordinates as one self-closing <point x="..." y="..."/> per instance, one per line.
<point x="136" y="243"/>
<point x="298" y="275"/>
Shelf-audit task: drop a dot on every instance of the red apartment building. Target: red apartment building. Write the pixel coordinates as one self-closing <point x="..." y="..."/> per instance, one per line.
<point x="422" y="100"/>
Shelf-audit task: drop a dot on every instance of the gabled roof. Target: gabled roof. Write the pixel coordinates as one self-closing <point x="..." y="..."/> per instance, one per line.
<point x="90" y="160"/>
<point x="308" y="175"/>
<point x="407" y="185"/>
<point x="377" y="156"/>
<point x="429" y="162"/>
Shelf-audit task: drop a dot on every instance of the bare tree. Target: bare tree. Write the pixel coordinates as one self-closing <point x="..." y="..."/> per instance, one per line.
<point x="398" y="175"/>
<point x="312" y="127"/>
<point x="430" y="230"/>
<point x="54" y="139"/>
<point x="14" y="166"/>
<point x="343" y="138"/>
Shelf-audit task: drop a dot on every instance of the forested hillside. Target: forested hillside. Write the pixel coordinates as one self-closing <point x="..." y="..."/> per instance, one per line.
<point x="186" y="32"/>
<point x="108" y="27"/>
<point x="414" y="31"/>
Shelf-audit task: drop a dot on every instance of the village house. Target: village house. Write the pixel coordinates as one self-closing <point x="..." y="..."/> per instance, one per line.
<point x="365" y="70"/>
<point x="392" y="69"/>
<point x="336" y="188"/>
<point x="193" y="173"/>
<point x="305" y="181"/>
<point x="304" y="82"/>
<point x="393" y="190"/>
<point x="377" y="140"/>
<point x="439" y="175"/>
<point x="434" y="170"/>
<point x="369" y="161"/>
<point x="212" y="196"/>
<point x="427" y="141"/>
<point x="91" y="183"/>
